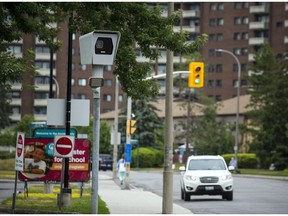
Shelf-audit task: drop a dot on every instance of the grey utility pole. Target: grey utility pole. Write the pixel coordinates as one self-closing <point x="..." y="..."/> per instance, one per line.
<point x="167" y="204"/>
<point x="115" y="146"/>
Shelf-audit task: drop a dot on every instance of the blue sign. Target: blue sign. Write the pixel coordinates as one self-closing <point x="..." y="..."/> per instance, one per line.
<point x="51" y="132"/>
<point x="128" y="148"/>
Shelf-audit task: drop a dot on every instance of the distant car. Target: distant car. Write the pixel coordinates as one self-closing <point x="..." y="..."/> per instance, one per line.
<point x="105" y="162"/>
<point x="206" y="175"/>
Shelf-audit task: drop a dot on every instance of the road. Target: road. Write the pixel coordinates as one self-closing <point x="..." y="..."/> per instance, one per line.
<point x="251" y="195"/>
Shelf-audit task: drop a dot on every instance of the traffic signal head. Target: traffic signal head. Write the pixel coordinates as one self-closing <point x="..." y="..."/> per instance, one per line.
<point x="196" y="76"/>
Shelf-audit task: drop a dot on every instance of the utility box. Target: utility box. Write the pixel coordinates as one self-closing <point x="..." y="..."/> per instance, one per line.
<point x="99" y="47"/>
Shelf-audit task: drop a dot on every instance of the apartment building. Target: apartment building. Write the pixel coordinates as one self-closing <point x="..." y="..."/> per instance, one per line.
<point x="238" y="27"/>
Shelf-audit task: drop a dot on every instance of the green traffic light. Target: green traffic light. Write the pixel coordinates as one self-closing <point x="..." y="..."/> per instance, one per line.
<point x="197" y="81"/>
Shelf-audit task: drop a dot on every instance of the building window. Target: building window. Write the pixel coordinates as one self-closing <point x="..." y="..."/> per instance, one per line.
<point x="82" y="67"/>
<point x="211" y="37"/>
<point x="120" y="98"/>
<point x="82" y="82"/>
<point x="237" y="51"/>
<point x="235" y="67"/>
<point x="219" y="37"/>
<point x="279" y="24"/>
<point x="210" y="83"/>
<point x="15" y="94"/>
<point x="15" y="110"/>
<point x="220" y="6"/>
<point x="40" y="110"/>
<point x="213" y="7"/>
<point x="245" y="20"/>
<point x="212" y="22"/>
<point x="108" y="82"/>
<point x="41" y="95"/>
<point x="220" y="21"/>
<point x="244" y="83"/>
<point x="41" y="80"/>
<point x="211" y="69"/>
<point x="43" y="64"/>
<point x="218" y="98"/>
<point x="235" y="83"/>
<point x="244" y="67"/>
<point x="108" y="68"/>
<point x="244" y="51"/>
<point x="211" y="52"/>
<point x="238" y="5"/>
<point x="237" y="36"/>
<point x="237" y="20"/>
<point x="218" y="84"/>
<point x="219" y="68"/>
<point x="245" y="36"/>
<point x="14" y="49"/>
<point x="107" y="97"/>
<point x="81" y="96"/>
<point x="42" y="49"/>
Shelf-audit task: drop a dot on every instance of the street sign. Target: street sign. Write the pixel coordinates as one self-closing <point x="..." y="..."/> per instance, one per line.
<point x="64" y="146"/>
<point x="51" y="132"/>
<point x="19" y="156"/>
<point x="128" y="148"/>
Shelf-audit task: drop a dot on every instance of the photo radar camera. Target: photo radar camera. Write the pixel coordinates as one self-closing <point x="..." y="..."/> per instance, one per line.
<point x="99" y="47"/>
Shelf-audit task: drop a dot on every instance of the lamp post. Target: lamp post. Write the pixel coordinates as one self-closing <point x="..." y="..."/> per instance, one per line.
<point x="238" y="97"/>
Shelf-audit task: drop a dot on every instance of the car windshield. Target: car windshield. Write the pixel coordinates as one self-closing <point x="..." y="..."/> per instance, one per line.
<point x="206" y="164"/>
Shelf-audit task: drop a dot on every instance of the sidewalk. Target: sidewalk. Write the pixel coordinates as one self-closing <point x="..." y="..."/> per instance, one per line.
<point x="131" y="201"/>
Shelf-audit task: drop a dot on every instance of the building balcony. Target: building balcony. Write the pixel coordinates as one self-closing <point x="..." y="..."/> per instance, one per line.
<point x="250" y="57"/>
<point x="257" y="40"/>
<point x="194" y="29"/>
<point x="40" y="102"/>
<point x="190" y="13"/>
<point x="259" y="8"/>
<point x="285" y="23"/>
<point x="285" y="39"/>
<point x="40" y="117"/>
<point x="45" y="71"/>
<point x="15" y="102"/>
<point x="258" y="25"/>
<point x="44" y="56"/>
<point x="16" y="86"/>
<point x="15" y="117"/>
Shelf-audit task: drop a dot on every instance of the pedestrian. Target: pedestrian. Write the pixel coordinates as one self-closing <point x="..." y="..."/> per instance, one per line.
<point x="233" y="162"/>
<point x="121" y="167"/>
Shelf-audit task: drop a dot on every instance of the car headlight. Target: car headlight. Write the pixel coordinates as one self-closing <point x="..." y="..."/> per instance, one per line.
<point x="190" y="178"/>
<point x="226" y="177"/>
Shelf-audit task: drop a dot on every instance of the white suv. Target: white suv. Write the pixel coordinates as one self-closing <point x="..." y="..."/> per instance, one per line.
<point x="206" y="175"/>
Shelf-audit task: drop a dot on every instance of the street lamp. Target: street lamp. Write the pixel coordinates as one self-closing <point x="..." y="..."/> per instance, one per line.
<point x="238" y="97"/>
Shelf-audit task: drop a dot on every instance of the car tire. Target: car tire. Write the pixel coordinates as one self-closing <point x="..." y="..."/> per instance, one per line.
<point x="182" y="194"/>
<point x="186" y="196"/>
<point x="229" y="196"/>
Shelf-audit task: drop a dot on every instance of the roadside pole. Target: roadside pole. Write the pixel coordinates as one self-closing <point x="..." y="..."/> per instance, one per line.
<point x="115" y="146"/>
<point x="167" y="204"/>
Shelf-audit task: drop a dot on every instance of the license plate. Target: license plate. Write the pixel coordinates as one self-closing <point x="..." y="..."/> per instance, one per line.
<point x="209" y="188"/>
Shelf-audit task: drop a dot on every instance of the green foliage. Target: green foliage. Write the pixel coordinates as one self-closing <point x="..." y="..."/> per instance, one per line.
<point x="7" y="138"/>
<point x="149" y="126"/>
<point x="268" y="98"/>
<point x="137" y="23"/>
<point x="7" y="155"/>
<point x="244" y="160"/>
<point x="24" y="125"/>
<point x="148" y="157"/>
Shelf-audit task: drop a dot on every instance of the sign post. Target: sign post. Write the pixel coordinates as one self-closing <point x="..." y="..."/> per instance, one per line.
<point x="19" y="162"/>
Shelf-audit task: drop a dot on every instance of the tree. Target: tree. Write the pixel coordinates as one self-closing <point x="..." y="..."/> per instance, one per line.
<point x="148" y="124"/>
<point x="269" y="101"/>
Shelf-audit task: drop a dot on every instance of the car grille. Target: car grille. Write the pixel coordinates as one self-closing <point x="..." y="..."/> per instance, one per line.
<point x="209" y="179"/>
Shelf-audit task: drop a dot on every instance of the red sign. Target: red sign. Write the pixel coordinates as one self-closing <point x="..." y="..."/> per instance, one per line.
<point x="63" y="146"/>
<point x="20" y="145"/>
<point x="79" y="168"/>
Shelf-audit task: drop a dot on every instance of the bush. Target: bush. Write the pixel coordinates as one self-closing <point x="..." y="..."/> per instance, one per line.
<point x="7" y="155"/>
<point x="148" y="157"/>
<point x="244" y="160"/>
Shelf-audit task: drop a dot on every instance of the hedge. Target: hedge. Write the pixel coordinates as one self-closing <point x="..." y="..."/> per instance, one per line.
<point x="244" y="160"/>
<point x="148" y="157"/>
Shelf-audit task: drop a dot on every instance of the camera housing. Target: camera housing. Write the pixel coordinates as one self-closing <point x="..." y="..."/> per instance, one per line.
<point x="99" y="47"/>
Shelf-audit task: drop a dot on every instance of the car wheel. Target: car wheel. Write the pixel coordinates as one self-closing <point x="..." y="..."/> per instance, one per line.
<point x="182" y="194"/>
<point x="229" y="196"/>
<point x="186" y="196"/>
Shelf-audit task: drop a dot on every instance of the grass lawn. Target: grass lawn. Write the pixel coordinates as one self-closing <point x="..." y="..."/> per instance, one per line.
<point x="37" y="200"/>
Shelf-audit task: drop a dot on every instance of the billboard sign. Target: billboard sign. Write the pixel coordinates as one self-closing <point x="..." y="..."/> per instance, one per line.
<point x="40" y="164"/>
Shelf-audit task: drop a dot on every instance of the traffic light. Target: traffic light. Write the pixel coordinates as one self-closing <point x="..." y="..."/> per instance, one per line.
<point x="130" y="126"/>
<point x="196" y="76"/>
